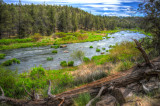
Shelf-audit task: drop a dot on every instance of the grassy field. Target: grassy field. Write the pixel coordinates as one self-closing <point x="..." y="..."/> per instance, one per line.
<point x="58" y="38"/>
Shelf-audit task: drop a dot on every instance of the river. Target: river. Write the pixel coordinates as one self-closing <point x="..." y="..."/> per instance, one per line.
<point x="31" y="57"/>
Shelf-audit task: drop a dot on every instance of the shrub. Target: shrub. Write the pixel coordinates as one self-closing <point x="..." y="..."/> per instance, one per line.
<point x="63" y="64"/>
<point x="70" y="63"/>
<point x="103" y="48"/>
<point x="10" y="62"/>
<point x="37" y="72"/>
<point x="91" y="47"/>
<point x="49" y="58"/>
<point x="7" y="63"/>
<point x="36" y="36"/>
<point x="98" y="50"/>
<point x="78" y="55"/>
<point x="54" y="51"/>
<point x="55" y="46"/>
<point x="107" y="50"/>
<point x="8" y="79"/>
<point x="111" y="46"/>
<point x="2" y="56"/>
<point x="14" y="60"/>
<point x="82" y="99"/>
<point x="86" y="59"/>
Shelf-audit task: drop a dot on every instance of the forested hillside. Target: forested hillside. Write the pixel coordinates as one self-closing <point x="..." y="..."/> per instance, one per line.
<point x="24" y="20"/>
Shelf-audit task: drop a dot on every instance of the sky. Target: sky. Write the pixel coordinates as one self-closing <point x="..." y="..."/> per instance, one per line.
<point x="96" y="7"/>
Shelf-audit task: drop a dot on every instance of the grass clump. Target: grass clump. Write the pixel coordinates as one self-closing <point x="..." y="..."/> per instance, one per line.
<point x="49" y="58"/>
<point x="98" y="50"/>
<point x="2" y="56"/>
<point x="111" y="46"/>
<point x="91" y="47"/>
<point x="78" y="55"/>
<point x="70" y="63"/>
<point x="54" y="51"/>
<point x="82" y="99"/>
<point x="10" y="62"/>
<point x="103" y="48"/>
<point x="107" y="50"/>
<point x="55" y="46"/>
<point x="64" y="64"/>
<point x="86" y="59"/>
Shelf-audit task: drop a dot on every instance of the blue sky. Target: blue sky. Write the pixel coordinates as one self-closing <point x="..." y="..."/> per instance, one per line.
<point x="96" y="7"/>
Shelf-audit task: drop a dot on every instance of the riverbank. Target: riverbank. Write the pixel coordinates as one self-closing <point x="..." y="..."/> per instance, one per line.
<point x="59" y="38"/>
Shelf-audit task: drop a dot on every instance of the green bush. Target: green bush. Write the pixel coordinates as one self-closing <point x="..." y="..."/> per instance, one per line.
<point x="37" y="72"/>
<point x="103" y="48"/>
<point x="8" y="79"/>
<point x="86" y="59"/>
<point x="70" y="63"/>
<point x="63" y="64"/>
<point x="91" y="47"/>
<point x="54" y="51"/>
<point x="36" y="36"/>
<point x="98" y="50"/>
<point x="7" y="63"/>
<point x="14" y="60"/>
<point x="107" y="50"/>
<point x="49" y="58"/>
<point x="2" y="56"/>
<point x="10" y="62"/>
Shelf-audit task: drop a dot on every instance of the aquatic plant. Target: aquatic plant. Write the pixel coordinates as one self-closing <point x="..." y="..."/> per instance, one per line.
<point x="107" y="50"/>
<point x="103" y="48"/>
<point x="10" y="62"/>
<point x="54" y="51"/>
<point x="91" y="47"/>
<point x="63" y="64"/>
<point x="2" y="56"/>
<point x="98" y="50"/>
<point x="49" y="58"/>
<point x="70" y="63"/>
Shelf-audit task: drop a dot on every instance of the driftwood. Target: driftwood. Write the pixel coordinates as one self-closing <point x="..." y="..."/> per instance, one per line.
<point x="99" y="94"/>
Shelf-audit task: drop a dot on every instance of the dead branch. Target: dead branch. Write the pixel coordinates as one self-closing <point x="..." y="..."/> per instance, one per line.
<point x="144" y="54"/>
<point x="61" y="101"/>
<point x="99" y="94"/>
<point x="2" y="91"/>
<point x="33" y="95"/>
<point x="49" y="90"/>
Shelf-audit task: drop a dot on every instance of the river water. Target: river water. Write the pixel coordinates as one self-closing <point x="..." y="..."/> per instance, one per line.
<point x="31" y="57"/>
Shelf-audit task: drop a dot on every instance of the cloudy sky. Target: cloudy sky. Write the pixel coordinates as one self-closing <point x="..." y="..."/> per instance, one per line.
<point x="96" y="7"/>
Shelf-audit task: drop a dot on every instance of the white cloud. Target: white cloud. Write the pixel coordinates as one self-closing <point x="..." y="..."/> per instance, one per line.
<point x="116" y="14"/>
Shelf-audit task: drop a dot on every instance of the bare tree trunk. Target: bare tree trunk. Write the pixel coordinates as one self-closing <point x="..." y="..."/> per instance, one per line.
<point x="144" y="54"/>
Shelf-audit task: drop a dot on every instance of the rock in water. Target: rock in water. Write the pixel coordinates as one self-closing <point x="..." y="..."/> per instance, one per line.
<point x="63" y="46"/>
<point x="66" y="51"/>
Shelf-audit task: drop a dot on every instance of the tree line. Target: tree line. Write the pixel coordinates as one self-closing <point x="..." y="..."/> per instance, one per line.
<point x="24" y="20"/>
